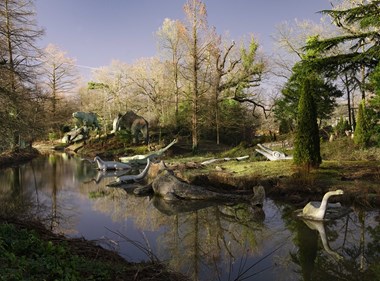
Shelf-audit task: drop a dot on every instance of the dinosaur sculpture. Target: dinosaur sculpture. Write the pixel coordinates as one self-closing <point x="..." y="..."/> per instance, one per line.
<point x="272" y="154"/>
<point x="207" y="162"/>
<point x="110" y="165"/>
<point x="76" y="135"/>
<point x="142" y="159"/>
<point x="102" y="174"/>
<point x="134" y="123"/>
<point x="317" y="210"/>
<point x="131" y="178"/>
<point x="87" y="119"/>
<point x="170" y="188"/>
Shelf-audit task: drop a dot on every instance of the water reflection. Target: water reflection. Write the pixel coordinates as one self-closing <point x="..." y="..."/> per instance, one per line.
<point x="205" y="240"/>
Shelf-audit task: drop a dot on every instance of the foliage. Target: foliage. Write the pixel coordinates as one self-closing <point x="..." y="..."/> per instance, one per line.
<point x="361" y="134"/>
<point x="342" y="126"/>
<point x="375" y="85"/>
<point x="307" y="142"/>
<point x="234" y="130"/>
<point x="359" y="25"/>
<point x="124" y="136"/>
<point x="24" y="255"/>
<point x="324" y="95"/>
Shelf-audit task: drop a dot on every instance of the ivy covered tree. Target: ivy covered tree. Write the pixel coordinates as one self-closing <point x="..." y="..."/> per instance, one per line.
<point x="307" y="144"/>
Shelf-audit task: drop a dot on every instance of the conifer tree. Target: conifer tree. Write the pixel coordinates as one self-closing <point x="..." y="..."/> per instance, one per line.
<point x="307" y="144"/>
<point x="361" y="135"/>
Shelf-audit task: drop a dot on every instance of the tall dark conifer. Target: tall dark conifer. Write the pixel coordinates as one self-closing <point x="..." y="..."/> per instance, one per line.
<point x="361" y="134"/>
<point x="307" y="143"/>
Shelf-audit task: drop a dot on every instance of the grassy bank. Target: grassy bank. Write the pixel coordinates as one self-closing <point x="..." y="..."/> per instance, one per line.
<point x="29" y="252"/>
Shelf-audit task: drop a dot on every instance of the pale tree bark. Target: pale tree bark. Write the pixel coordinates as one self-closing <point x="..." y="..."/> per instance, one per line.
<point x="110" y="86"/>
<point x="170" y="37"/>
<point x="61" y="75"/>
<point x="197" y="44"/>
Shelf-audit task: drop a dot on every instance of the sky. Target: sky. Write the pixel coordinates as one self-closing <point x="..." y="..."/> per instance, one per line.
<point x="95" y="32"/>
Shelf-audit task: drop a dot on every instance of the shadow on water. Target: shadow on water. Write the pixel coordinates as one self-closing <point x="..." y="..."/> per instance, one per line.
<point x="205" y="240"/>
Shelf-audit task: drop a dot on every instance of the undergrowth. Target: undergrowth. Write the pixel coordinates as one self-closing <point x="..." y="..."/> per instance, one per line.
<point x="27" y="254"/>
<point x="24" y="256"/>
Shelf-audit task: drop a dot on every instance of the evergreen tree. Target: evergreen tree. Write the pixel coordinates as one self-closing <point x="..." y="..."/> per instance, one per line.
<point x="324" y="94"/>
<point x="361" y="135"/>
<point x="360" y="31"/>
<point x="307" y="144"/>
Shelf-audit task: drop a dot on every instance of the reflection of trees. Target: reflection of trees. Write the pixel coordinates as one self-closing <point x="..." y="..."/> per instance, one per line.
<point x="214" y="236"/>
<point x="352" y="240"/>
<point x="42" y="189"/>
<point x="211" y="236"/>
<point x="15" y="199"/>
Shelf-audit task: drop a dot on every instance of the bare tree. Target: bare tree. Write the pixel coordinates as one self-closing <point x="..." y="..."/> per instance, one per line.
<point x="198" y="43"/>
<point x="60" y="72"/>
<point x="235" y="70"/>
<point x="170" y="37"/>
<point x="19" y="54"/>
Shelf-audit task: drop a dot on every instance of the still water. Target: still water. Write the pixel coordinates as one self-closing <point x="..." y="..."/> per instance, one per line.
<point x="205" y="242"/>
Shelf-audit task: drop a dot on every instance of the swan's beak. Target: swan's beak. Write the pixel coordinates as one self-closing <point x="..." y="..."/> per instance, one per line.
<point x="340" y="191"/>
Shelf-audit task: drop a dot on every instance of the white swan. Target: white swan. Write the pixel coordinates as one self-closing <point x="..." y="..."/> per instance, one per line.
<point x="317" y="210"/>
<point x="110" y="165"/>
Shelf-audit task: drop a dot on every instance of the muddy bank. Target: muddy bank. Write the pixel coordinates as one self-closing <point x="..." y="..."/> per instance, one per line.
<point x="359" y="181"/>
<point x="282" y="181"/>
<point x="18" y="156"/>
<point x="116" y="268"/>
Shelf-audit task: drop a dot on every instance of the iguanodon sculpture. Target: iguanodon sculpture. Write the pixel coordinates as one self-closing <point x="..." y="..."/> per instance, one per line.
<point x="272" y="154"/>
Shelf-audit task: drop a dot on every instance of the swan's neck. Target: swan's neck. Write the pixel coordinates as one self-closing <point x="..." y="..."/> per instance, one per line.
<point x="324" y="201"/>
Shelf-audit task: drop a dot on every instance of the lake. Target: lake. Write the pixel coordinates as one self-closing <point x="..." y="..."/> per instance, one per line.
<point x="203" y="240"/>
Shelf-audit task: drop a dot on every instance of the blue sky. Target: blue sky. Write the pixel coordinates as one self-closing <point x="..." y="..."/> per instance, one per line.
<point x="95" y="32"/>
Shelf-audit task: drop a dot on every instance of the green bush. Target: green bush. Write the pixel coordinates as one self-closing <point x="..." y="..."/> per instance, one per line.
<point x="24" y="256"/>
<point x="341" y="128"/>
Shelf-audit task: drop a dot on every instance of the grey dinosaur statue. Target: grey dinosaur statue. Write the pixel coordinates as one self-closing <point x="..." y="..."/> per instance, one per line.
<point x="136" y="124"/>
<point x="88" y="119"/>
<point x="110" y="165"/>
